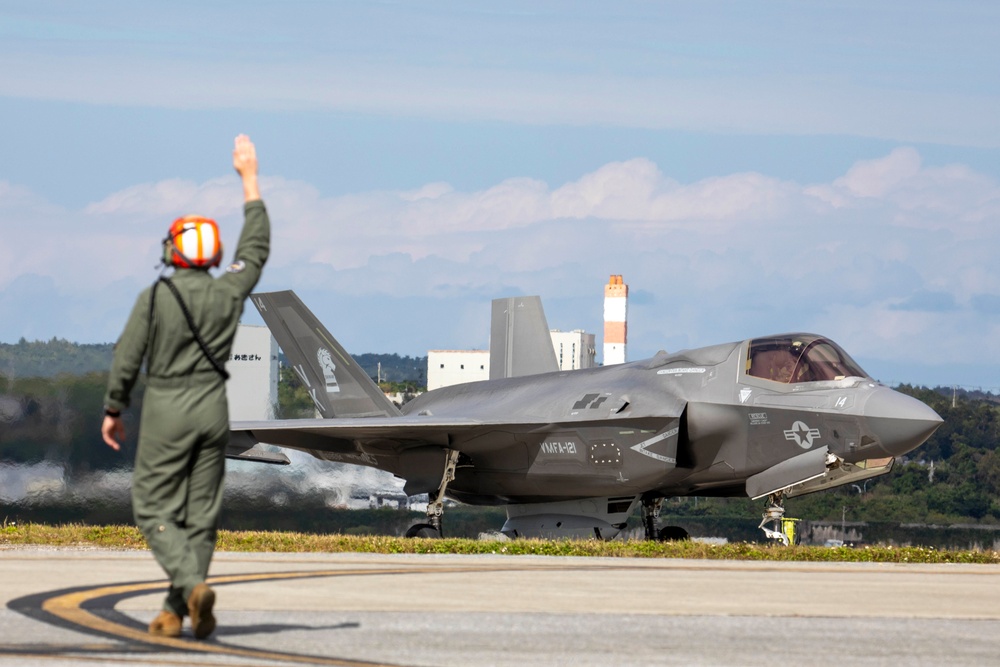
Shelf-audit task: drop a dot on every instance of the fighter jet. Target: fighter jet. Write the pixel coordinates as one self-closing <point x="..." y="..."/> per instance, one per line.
<point x="573" y="453"/>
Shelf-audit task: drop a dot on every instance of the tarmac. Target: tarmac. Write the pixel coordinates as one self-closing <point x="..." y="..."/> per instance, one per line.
<point x="84" y="606"/>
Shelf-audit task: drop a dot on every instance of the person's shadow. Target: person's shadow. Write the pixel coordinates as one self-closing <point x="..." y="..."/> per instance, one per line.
<point x="272" y="628"/>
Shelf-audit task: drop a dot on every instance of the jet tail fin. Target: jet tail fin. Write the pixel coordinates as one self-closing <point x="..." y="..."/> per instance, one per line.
<point x="520" y="343"/>
<point x="337" y="385"/>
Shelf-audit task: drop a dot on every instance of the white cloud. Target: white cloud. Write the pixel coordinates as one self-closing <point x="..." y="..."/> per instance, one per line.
<point x="875" y="178"/>
<point x="438" y="220"/>
<point x="171" y="198"/>
<point x="616" y="190"/>
<point x="429" y="191"/>
<point x="867" y="259"/>
<point x="13" y="197"/>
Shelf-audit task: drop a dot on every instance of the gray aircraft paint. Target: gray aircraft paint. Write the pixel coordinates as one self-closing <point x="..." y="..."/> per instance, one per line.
<point x="695" y="422"/>
<point x="520" y="343"/>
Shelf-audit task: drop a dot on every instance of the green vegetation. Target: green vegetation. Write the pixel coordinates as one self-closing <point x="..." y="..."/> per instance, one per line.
<point x="126" y="537"/>
<point x="50" y="410"/>
<point x="52" y="393"/>
<point x="408" y="373"/>
<point x="59" y="420"/>
<point x="54" y="357"/>
<point x="293" y="397"/>
<point x="47" y="359"/>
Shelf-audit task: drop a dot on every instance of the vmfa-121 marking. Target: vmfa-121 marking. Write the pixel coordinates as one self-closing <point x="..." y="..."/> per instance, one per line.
<point x="572" y="453"/>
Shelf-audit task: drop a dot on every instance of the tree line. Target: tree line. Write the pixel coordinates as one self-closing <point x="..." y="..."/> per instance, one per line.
<point x="61" y="357"/>
<point x="953" y="478"/>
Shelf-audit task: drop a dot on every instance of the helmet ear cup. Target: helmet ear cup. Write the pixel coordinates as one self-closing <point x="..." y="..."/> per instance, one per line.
<point x="168" y="251"/>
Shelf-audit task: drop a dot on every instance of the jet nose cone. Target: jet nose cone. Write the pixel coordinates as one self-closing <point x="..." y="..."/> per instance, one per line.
<point x="899" y="422"/>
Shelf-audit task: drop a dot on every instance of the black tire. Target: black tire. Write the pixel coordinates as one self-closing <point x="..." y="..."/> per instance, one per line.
<point x="672" y="534"/>
<point x="422" y="530"/>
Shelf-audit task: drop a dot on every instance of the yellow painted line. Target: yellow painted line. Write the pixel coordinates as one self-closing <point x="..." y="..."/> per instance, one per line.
<point x="8" y="649"/>
<point x="66" y="653"/>
<point x="69" y="608"/>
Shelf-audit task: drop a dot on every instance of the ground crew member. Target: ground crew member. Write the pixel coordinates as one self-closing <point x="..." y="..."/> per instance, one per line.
<point x="183" y="326"/>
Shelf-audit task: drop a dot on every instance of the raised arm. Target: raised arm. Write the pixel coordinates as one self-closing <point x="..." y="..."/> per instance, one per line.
<point x="255" y="239"/>
<point x="245" y="163"/>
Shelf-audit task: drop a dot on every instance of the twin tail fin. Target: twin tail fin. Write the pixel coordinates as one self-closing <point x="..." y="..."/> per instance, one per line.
<point x="337" y="385"/>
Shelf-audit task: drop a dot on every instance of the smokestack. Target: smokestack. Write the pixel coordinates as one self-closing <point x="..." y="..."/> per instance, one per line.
<point x="615" y="320"/>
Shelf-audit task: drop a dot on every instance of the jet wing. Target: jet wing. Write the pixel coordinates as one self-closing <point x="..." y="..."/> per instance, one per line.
<point x="393" y="434"/>
<point x="340" y="435"/>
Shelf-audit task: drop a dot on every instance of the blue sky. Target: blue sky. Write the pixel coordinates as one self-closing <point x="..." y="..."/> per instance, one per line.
<point x="750" y="168"/>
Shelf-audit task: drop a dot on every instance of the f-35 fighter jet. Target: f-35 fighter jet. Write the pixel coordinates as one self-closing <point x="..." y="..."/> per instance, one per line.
<point x="572" y="453"/>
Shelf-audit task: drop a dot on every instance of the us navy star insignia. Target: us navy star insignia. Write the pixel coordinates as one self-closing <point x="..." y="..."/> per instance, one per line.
<point x="802" y="435"/>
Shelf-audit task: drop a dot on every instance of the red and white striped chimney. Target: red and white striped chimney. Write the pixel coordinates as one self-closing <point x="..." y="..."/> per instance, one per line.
<point x="615" y="320"/>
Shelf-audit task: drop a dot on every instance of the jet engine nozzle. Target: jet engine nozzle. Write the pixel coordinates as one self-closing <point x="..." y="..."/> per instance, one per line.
<point x="899" y="423"/>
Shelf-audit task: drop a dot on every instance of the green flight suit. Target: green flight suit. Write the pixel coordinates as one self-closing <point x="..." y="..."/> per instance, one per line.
<point x="184" y="431"/>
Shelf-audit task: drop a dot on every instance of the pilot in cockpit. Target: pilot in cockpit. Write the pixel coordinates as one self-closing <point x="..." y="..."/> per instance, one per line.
<point x="781" y="365"/>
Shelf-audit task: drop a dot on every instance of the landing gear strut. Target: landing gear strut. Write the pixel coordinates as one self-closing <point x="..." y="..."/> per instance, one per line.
<point x="435" y="502"/>
<point x="773" y="514"/>
<point x="650" y="516"/>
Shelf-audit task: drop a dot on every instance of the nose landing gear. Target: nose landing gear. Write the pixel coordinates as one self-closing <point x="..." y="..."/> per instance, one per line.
<point x="774" y="514"/>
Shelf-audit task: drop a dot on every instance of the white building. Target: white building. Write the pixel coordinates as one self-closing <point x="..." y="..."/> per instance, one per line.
<point x="252" y="388"/>
<point x="574" y="349"/>
<point x="448" y="367"/>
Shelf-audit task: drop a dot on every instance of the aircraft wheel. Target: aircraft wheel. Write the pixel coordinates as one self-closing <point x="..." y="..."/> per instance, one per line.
<point x="672" y="534"/>
<point x="422" y="530"/>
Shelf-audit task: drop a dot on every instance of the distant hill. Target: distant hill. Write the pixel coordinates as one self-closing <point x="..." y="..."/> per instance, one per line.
<point x="53" y="357"/>
<point x="959" y="394"/>
<point x="394" y="367"/>
<point x="61" y="357"/>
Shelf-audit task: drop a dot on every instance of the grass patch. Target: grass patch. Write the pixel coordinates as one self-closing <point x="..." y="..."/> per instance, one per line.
<point x="128" y="537"/>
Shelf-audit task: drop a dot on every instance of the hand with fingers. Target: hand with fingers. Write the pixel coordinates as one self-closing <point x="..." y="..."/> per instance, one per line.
<point x="113" y="430"/>
<point x="245" y="163"/>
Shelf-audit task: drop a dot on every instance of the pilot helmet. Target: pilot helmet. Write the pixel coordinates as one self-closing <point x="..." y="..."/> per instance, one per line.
<point x="192" y="243"/>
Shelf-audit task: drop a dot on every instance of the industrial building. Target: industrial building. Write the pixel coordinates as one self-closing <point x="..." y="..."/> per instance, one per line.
<point x="449" y="367"/>
<point x="253" y="364"/>
<point x="573" y="349"/>
<point x="252" y="388"/>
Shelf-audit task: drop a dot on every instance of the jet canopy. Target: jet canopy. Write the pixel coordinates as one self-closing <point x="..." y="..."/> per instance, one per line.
<point x="794" y="358"/>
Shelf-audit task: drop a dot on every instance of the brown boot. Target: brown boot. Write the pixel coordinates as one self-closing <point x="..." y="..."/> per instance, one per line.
<point x="167" y="624"/>
<point x="200" y="605"/>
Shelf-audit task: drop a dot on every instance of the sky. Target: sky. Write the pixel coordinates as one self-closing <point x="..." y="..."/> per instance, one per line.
<point x="749" y="168"/>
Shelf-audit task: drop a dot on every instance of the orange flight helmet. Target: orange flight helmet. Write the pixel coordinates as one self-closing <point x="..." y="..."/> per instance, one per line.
<point x="193" y="243"/>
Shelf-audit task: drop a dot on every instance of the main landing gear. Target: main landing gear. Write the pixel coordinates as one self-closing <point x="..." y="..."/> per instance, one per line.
<point x="435" y="502"/>
<point x="650" y="516"/>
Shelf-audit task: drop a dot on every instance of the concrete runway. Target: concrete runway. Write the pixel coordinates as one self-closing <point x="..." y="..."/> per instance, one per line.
<point x="91" y="606"/>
